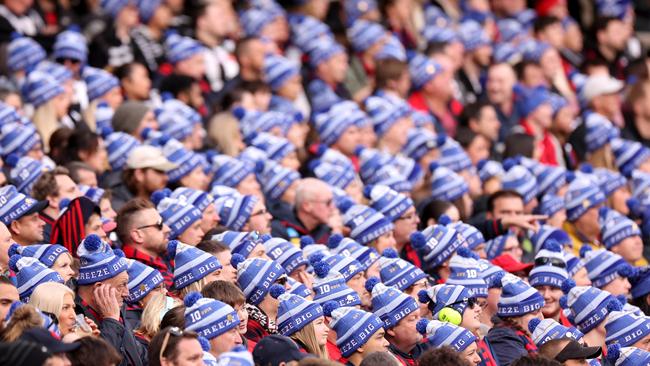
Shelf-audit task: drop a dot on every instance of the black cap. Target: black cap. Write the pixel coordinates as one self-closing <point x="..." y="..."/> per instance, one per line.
<point x="43" y="337"/>
<point x="23" y="353"/>
<point x="37" y="207"/>
<point x="273" y="349"/>
<point x="576" y="351"/>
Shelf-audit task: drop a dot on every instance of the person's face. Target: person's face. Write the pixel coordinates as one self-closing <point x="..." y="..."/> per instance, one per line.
<point x="322" y="206"/>
<point x="557" y="219"/>
<point x="533" y="76"/>
<point x="289" y="196"/>
<point x="61" y="105"/>
<point x="575" y="362"/>
<point x="63" y="265"/>
<point x="471" y="354"/>
<point x="631" y="249"/>
<point x="210" y="218"/>
<point x="149" y="120"/>
<point x="249" y="185"/>
<point x="512" y="247"/>
<point x="227" y="272"/>
<point x="643" y="344"/>
<point x="193" y="234"/>
<point x="297" y="134"/>
<point x="87" y="177"/>
<point x="482" y="55"/>
<point x="30" y="229"/>
<point x="398" y="132"/>
<point x="254" y="56"/>
<point x="154" y="180"/>
<point x="67" y="188"/>
<point x="405" y="225"/>
<point x="472" y="318"/>
<point x="107" y="209"/>
<point x="368" y="136"/>
<point x="260" y="219"/>
<point x="67" y="319"/>
<point x="554" y="35"/>
<point x="508" y="206"/>
<point x="414" y="289"/>
<point x="348" y="141"/>
<point x="189" y="353"/>
<point x="385" y="241"/>
<point x="619" y="198"/>
<point x="137" y="85"/>
<point x="487" y="123"/>
<point x="225" y="342"/>
<point x="405" y="332"/>
<point x="162" y="16"/>
<point x="373" y="270"/>
<point x="321" y="330"/>
<point x="500" y="80"/>
<point x="478" y="149"/>
<point x="615" y="35"/>
<point x="113" y="98"/>
<point x="290" y="161"/>
<point x="619" y="286"/>
<point x="542" y="116"/>
<point x="5" y="243"/>
<point x="8" y="294"/>
<point x="258" y="252"/>
<point x="195" y="97"/>
<point x="337" y="67"/>
<point x="196" y="179"/>
<point x="357" y="283"/>
<point x="589" y="220"/>
<point x="98" y="159"/>
<point x="120" y="284"/>
<point x="563" y="121"/>
<point x="581" y="277"/>
<point x="291" y="88"/>
<point x="193" y="66"/>
<point x="150" y="236"/>
<point x="455" y="51"/>
<point x="94" y="226"/>
<point x="221" y="19"/>
<point x="552" y="297"/>
<point x="376" y="343"/>
<point x="242" y="314"/>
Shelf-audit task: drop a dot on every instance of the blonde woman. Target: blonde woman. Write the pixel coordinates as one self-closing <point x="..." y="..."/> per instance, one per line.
<point x="302" y="320"/>
<point x="157" y="306"/>
<point x="53" y="256"/>
<point x="58" y="300"/>
<point x="101" y="86"/>
<point x="223" y="132"/>
<point x="50" y="102"/>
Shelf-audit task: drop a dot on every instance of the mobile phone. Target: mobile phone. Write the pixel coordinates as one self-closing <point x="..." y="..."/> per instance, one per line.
<point x="81" y="323"/>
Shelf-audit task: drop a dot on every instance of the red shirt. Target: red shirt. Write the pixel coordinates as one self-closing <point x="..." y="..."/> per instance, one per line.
<point x="165" y="268"/>
<point x="546" y="145"/>
<point x="335" y="353"/>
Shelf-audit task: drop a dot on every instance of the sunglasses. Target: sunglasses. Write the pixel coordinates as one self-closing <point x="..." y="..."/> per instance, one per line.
<point x="158" y="225"/>
<point x="471" y="301"/>
<point x="282" y="280"/>
<point x="176" y="332"/>
<point x="545" y="261"/>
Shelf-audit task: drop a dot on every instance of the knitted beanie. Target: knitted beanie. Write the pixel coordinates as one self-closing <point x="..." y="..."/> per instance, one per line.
<point x="385" y="113"/>
<point x="330" y="286"/>
<point x="348" y="247"/>
<point x="609" y="181"/>
<point x="545" y="330"/>
<point x="517" y="298"/>
<point x="97" y="261"/>
<point x="208" y="317"/>
<point x="488" y="169"/>
<point x="239" y="356"/>
<point x="549" y="178"/>
<point x="333" y="174"/>
<point x="24" y="172"/>
<point x="255" y="19"/>
<point x="353" y="327"/>
<point x="453" y="156"/>
<point x="195" y="197"/>
<point x="58" y="72"/>
<point x="16" y="204"/>
<point x="436" y="244"/>
<point x="242" y="243"/>
<point x="147" y="9"/>
<point x="179" y="215"/>
<point x="604" y="266"/>
<point x="98" y="83"/>
<point x="445" y="295"/>
<point x="473" y="237"/>
<point x="70" y="44"/>
<point x="440" y="334"/>
<point x="235" y="210"/>
<point x="142" y="280"/>
<point x="445" y="184"/>
<point x="278" y="70"/>
<point x="45" y="253"/>
<point x="423" y="69"/>
<point x="23" y="53"/>
<point x="333" y="123"/>
<point x="16" y="138"/>
<point x="640" y="282"/>
<point x="294" y="313"/>
<point x="230" y="171"/>
<point x="390" y="304"/>
<point x="627" y="356"/>
<point x="420" y="141"/>
<point x="550" y="267"/>
<point x="257" y="276"/>
<point x="389" y="203"/>
<point x="588" y="306"/>
<point x="365" y="223"/>
<point x="275" y="147"/>
<point x="323" y="50"/>
<point x="275" y="179"/>
<point x="286" y="254"/>
<point x="550" y="233"/>
<point x="626" y="329"/>
<point x="629" y="155"/>
<point x="363" y="34"/>
<point x="179" y="48"/>
<point x="580" y="197"/>
<point x="520" y="180"/>
<point x="39" y="88"/>
<point x="128" y="115"/>
<point x="491" y="273"/>
<point x="298" y="288"/>
<point x="549" y="205"/>
<point x="191" y="264"/>
<point x="615" y="227"/>
<point x="465" y="271"/>
<point x="395" y="271"/>
<point x="29" y="274"/>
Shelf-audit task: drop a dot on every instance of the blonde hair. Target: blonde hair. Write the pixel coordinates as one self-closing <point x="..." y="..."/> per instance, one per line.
<point x="48" y="297"/>
<point x="24" y="318"/>
<point x="602" y="158"/>
<point x="89" y="115"/>
<point x="150" y="320"/>
<point x="223" y="131"/>
<point x="46" y="123"/>
<point x="307" y="337"/>
<point x="193" y="287"/>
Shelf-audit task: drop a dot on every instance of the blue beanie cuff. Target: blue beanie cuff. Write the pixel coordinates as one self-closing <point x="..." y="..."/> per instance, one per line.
<point x="296" y="323"/>
<point x="361" y="337"/>
<point x="406" y="281"/>
<point x="408" y="306"/>
<point x="197" y="272"/>
<point x="145" y="287"/>
<point x="521" y="308"/>
<point x="103" y="272"/>
<point x="617" y="238"/>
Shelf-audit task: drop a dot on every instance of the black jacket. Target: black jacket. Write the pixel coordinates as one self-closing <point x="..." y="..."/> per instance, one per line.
<point x="289" y="227"/>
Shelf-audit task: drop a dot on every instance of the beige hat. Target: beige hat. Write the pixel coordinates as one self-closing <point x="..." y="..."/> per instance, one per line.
<point x="147" y="156"/>
<point x="600" y="85"/>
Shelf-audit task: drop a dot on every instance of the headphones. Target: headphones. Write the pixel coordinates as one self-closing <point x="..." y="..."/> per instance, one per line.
<point x="453" y="316"/>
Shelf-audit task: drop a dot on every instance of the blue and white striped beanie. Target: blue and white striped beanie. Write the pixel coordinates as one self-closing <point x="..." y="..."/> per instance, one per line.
<point x="494" y="247"/>
<point x="253" y="121"/>
<point x="397" y="272"/>
<point x="278" y="70"/>
<point x="190" y="264"/>
<point x="388" y="202"/>
<point x="45" y="253"/>
<point x="365" y="223"/>
<point x="285" y="253"/>
<point x="615" y="227"/>
<point x="510" y="30"/>
<point x="235" y="210"/>
<point x="549" y="205"/>
<point x="506" y="53"/>
<point x="433" y="15"/>
<point x="364" y="34"/>
<point x="441" y="334"/>
<point x="197" y="198"/>
<point x="254" y="19"/>
<point x="39" y="88"/>
<point x="118" y="146"/>
<point x="171" y="104"/>
<point x="15" y="204"/>
<point x="446" y="295"/>
<point x="98" y="262"/>
<point x="517" y="297"/>
<point x="640" y="182"/>
<point x="30" y="273"/>
<point x="347" y="266"/>
<point x="604" y="266"/>
<point x="573" y="263"/>
<point x="355" y="9"/>
<point x="8" y="115"/>
<point x="453" y="156"/>
<point x="390" y="304"/>
<point x="422" y="70"/>
<point x="295" y="312"/>
<point x="629" y="155"/>
<point x="179" y="48"/>
<point x="276" y="179"/>
<point x="420" y="141"/>
<point x="185" y="160"/>
<point x="71" y="44"/>
<point x="229" y="171"/>
<point x="491" y="273"/>
<point x="333" y="123"/>
<point x="298" y="288"/>
<point x="323" y="50"/>
<point x="24" y="172"/>
<point x="522" y="181"/>
<point x="435" y="34"/>
<point x="533" y="50"/>
<point x="610" y="181"/>
<point x="640" y="282"/>
<point x="208" y="317"/>
<point x="331" y="286"/>
<point x="384" y="113"/>
<point x="147" y="8"/>
<point x="466" y="272"/>
<point x="348" y="247"/>
<point x="581" y="196"/>
<point x="613" y="8"/>
<point x="174" y="124"/>
<point x="57" y="71"/>
<point x="242" y="243"/>
<point x="178" y="214"/>
<point x="473" y="35"/>
<point x="599" y="131"/>
<point x="238" y="356"/>
<point x="353" y="327"/>
<point x="436" y="244"/>
<point x="391" y="177"/>
<point x="257" y="276"/>
<point x="546" y="330"/>
<point x="545" y="272"/>
<point x="103" y="116"/>
<point x="95" y="194"/>
<point x="392" y="49"/>
<point x="370" y="161"/>
<point x="588" y="306"/>
<point x="24" y="53"/>
<point x="98" y="82"/>
<point x="322" y="97"/>
<point x="473" y="236"/>
<point x="547" y="233"/>
<point x="627" y="356"/>
<point x="488" y="169"/>
<point x="549" y="178"/>
<point x="306" y="31"/>
<point x="408" y="168"/>
<point x="142" y="280"/>
<point x="275" y="147"/>
<point x="446" y="185"/>
<point x="310" y="247"/>
<point x="114" y="7"/>
<point x="332" y="156"/>
<point x="626" y="329"/>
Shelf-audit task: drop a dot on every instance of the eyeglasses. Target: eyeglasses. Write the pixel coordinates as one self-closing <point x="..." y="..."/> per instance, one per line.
<point x="546" y="261"/>
<point x="158" y="225"/>
<point x="260" y="212"/>
<point x="63" y="60"/>
<point x="410" y="217"/>
<point x="327" y="202"/>
<point x="471" y="301"/>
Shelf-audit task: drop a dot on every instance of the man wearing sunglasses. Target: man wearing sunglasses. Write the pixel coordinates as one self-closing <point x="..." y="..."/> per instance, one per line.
<point x="173" y="346"/>
<point x="547" y="278"/>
